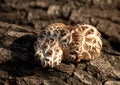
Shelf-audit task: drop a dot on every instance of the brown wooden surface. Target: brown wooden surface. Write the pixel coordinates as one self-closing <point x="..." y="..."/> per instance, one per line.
<point x="21" y="22"/>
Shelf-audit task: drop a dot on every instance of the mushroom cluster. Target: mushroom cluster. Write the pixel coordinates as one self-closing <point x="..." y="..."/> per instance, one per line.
<point x="59" y="42"/>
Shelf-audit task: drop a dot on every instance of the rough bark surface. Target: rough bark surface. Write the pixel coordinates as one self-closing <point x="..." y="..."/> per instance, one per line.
<point x="21" y="22"/>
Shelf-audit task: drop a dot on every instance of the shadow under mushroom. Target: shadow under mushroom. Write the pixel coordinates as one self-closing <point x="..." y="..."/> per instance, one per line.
<point x="22" y="53"/>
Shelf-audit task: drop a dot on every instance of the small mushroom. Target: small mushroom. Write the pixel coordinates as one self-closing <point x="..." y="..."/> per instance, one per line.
<point x="86" y="44"/>
<point x="47" y="47"/>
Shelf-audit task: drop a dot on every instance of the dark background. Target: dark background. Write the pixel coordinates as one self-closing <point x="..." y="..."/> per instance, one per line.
<point x="21" y="22"/>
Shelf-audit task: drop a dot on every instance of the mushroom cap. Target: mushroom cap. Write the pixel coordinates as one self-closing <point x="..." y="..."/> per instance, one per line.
<point x="86" y="44"/>
<point x="47" y="47"/>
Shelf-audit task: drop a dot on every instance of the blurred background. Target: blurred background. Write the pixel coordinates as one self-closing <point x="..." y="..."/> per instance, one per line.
<point x="36" y="14"/>
<point x="28" y="17"/>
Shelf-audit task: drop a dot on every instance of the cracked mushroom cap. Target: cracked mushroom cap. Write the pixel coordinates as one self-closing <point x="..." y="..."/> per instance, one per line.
<point x="86" y="44"/>
<point x="47" y="47"/>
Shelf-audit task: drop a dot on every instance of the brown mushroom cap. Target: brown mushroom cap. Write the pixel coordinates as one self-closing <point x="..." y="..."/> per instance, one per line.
<point x="86" y="44"/>
<point x="47" y="47"/>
